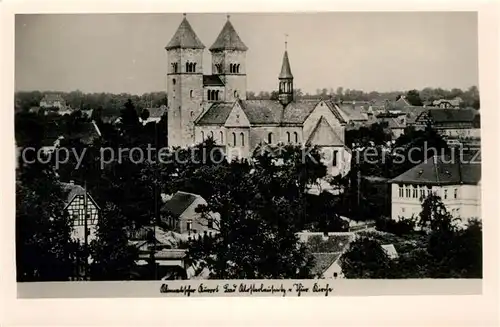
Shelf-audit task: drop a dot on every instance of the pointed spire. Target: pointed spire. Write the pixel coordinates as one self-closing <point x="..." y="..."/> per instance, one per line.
<point x="286" y="71"/>
<point x="185" y="37"/>
<point x="228" y="39"/>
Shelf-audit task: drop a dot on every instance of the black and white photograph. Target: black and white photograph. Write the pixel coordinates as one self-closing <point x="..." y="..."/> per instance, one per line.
<point x="193" y="147"/>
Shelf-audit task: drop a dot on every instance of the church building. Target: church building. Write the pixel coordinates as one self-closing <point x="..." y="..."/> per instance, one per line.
<point x="203" y="106"/>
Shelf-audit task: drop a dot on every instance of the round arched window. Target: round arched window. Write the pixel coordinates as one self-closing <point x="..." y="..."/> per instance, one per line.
<point x="236" y="94"/>
<point x="173" y="81"/>
<point x="191" y="93"/>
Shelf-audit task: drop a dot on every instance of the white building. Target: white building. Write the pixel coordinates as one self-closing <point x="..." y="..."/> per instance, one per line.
<point x="457" y="183"/>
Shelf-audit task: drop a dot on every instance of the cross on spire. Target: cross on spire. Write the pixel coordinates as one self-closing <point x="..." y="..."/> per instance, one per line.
<point x="228" y="16"/>
<point x="286" y="41"/>
<point x="184" y="14"/>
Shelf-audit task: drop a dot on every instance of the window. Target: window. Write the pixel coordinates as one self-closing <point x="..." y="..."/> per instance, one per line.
<point x="335" y="275"/>
<point x="238" y="68"/>
<point x="234" y="139"/>
<point x="422" y="192"/>
<point x="334" y="159"/>
<point x="455" y="193"/>
<point x="191" y="94"/>
<point x="401" y="191"/>
<point x="415" y="192"/>
<point x="202" y="136"/>
<point x="445" y="194"/>
<point x="288" y="136"/>
<point x="230" y="68"/>
<point x="236" y="94"/>
<point x="221" y="137"/>
<point x="191" y="113"/>
<point x="270" y="138"/>
<point x="408" y="191"/>
<point x="242" y="136"/>
<point x="173" y="81"/>
<point x="296" y="135"/>
<point x="209" y="95"/>
<point x="194" y="67"/>
<point x="189" y="225"/>
<point x="174" y="67"/>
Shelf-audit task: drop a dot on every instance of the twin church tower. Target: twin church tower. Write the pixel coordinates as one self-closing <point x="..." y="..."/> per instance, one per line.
<point x="191" y="93"/>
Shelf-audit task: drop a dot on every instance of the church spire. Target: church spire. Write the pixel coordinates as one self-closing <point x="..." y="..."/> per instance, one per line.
<point x="185" y="37"/>
<point x="285" y="79"/>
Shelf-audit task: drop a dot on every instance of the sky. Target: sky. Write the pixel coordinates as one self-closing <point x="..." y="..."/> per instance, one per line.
<point x="369" y="51"/>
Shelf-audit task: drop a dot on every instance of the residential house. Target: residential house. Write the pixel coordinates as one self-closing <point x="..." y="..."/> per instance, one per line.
<point x="457" y="182"/>
<point x="395" y="124"/>
<point x="447" y="104"/>
<point x="53" y="101"/>
<point x="453" y="123"/>
<point x="155" y="114"/>
<point x="81" y="206"/>
<point x="179" y="214"/>
<point x="401" y="102"/>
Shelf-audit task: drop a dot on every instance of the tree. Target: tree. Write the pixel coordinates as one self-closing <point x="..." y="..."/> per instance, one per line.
<point x="413" y="98"/>
<point x="145" y="114"/>
<point x="365" y="259"/>
<point x="113" y="258"/>
<point x="44" y="248"/>
<point x="434" y="214"/>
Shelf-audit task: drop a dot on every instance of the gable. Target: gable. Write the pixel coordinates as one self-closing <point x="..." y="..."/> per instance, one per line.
<point x="237" y="117"/>
<point x="323" y="111"/>
<point x="323" y="134"/>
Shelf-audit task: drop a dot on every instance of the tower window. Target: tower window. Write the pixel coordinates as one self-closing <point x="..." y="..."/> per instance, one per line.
<point x="236" y="94"/>
<point x="191" y="94"/>
<point x="270" y="138"/>
<point x="334" y="159"/>
<point x="234" y="139"/>
<point x="221" y="137"/>
<point x="242" y="136"/>
<point x="209" y="95"/>
<point x="190" y="67"/>
<point x="288" y="136"/>
<point x="174" y="67"/>
<point x="230" y="68"/>
<point x="218" y="68"/>
<point x="296" y="135"/>
<point x="238" y="68"/>
<point x="173" y="81"/>
<point x="191" y="114"/>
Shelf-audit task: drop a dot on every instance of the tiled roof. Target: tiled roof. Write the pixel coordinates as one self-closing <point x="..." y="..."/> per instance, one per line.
<point x="266" y="112"/>
<point x="323" y="134"/>
<point x="157" y="112"/>
<point x="212" y="80"/>
<point x="286" y="71"/>
<point x="452" y="115"/>
<point x="179" y="203"/>
<point x="454" y="102"/>
<point x="185" y="38"/>
<point x="351" y="113"/>
<point x="228" y="39"/>
<point x="435" y="171"/>
<point x="75" y="190"/>
<point x="216" y="115"/>
<point x="323" y="261"/>
<point x="330" y="244"/>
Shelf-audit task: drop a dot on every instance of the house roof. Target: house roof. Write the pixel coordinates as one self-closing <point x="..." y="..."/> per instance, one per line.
<point x="179" y="202"/>
<point x="157" y="112"/>
<point x="185" y="38"/>
<point x="352" y="113"/>
<point x="390" y="250"/>
<point x="441" y="171"/>
<point x="166" y="254"/>
<point x="454" y="102"/>
<point x="52" y="97"/>
<point x="286" y="71"/>
<point x="212" y="80"/>
<point x="451" y="115"/>
<point x="228" y="39"/>
<point x="73" y="191"/>
<point x="323" y="261"/>
<point x="331" y="244"/>
<point x="266" y="112"/>
<point x="323" y="134"/>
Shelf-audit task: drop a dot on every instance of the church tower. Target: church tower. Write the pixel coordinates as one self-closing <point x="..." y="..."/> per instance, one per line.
<point x="229" y="62"/>
<point x="285" y="93"/>
<point x="184" y="84"/>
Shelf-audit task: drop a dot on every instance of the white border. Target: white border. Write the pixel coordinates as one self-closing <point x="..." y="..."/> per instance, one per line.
<point x="398" y="311"/>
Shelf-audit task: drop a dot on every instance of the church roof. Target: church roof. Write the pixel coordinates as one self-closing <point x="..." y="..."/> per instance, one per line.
<point x="228" y="39"/>
<point x="436" y="171"/>
<point x="265" y="112"/>
<point x="185" y="38"/>
<point x="286" y="71"/>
